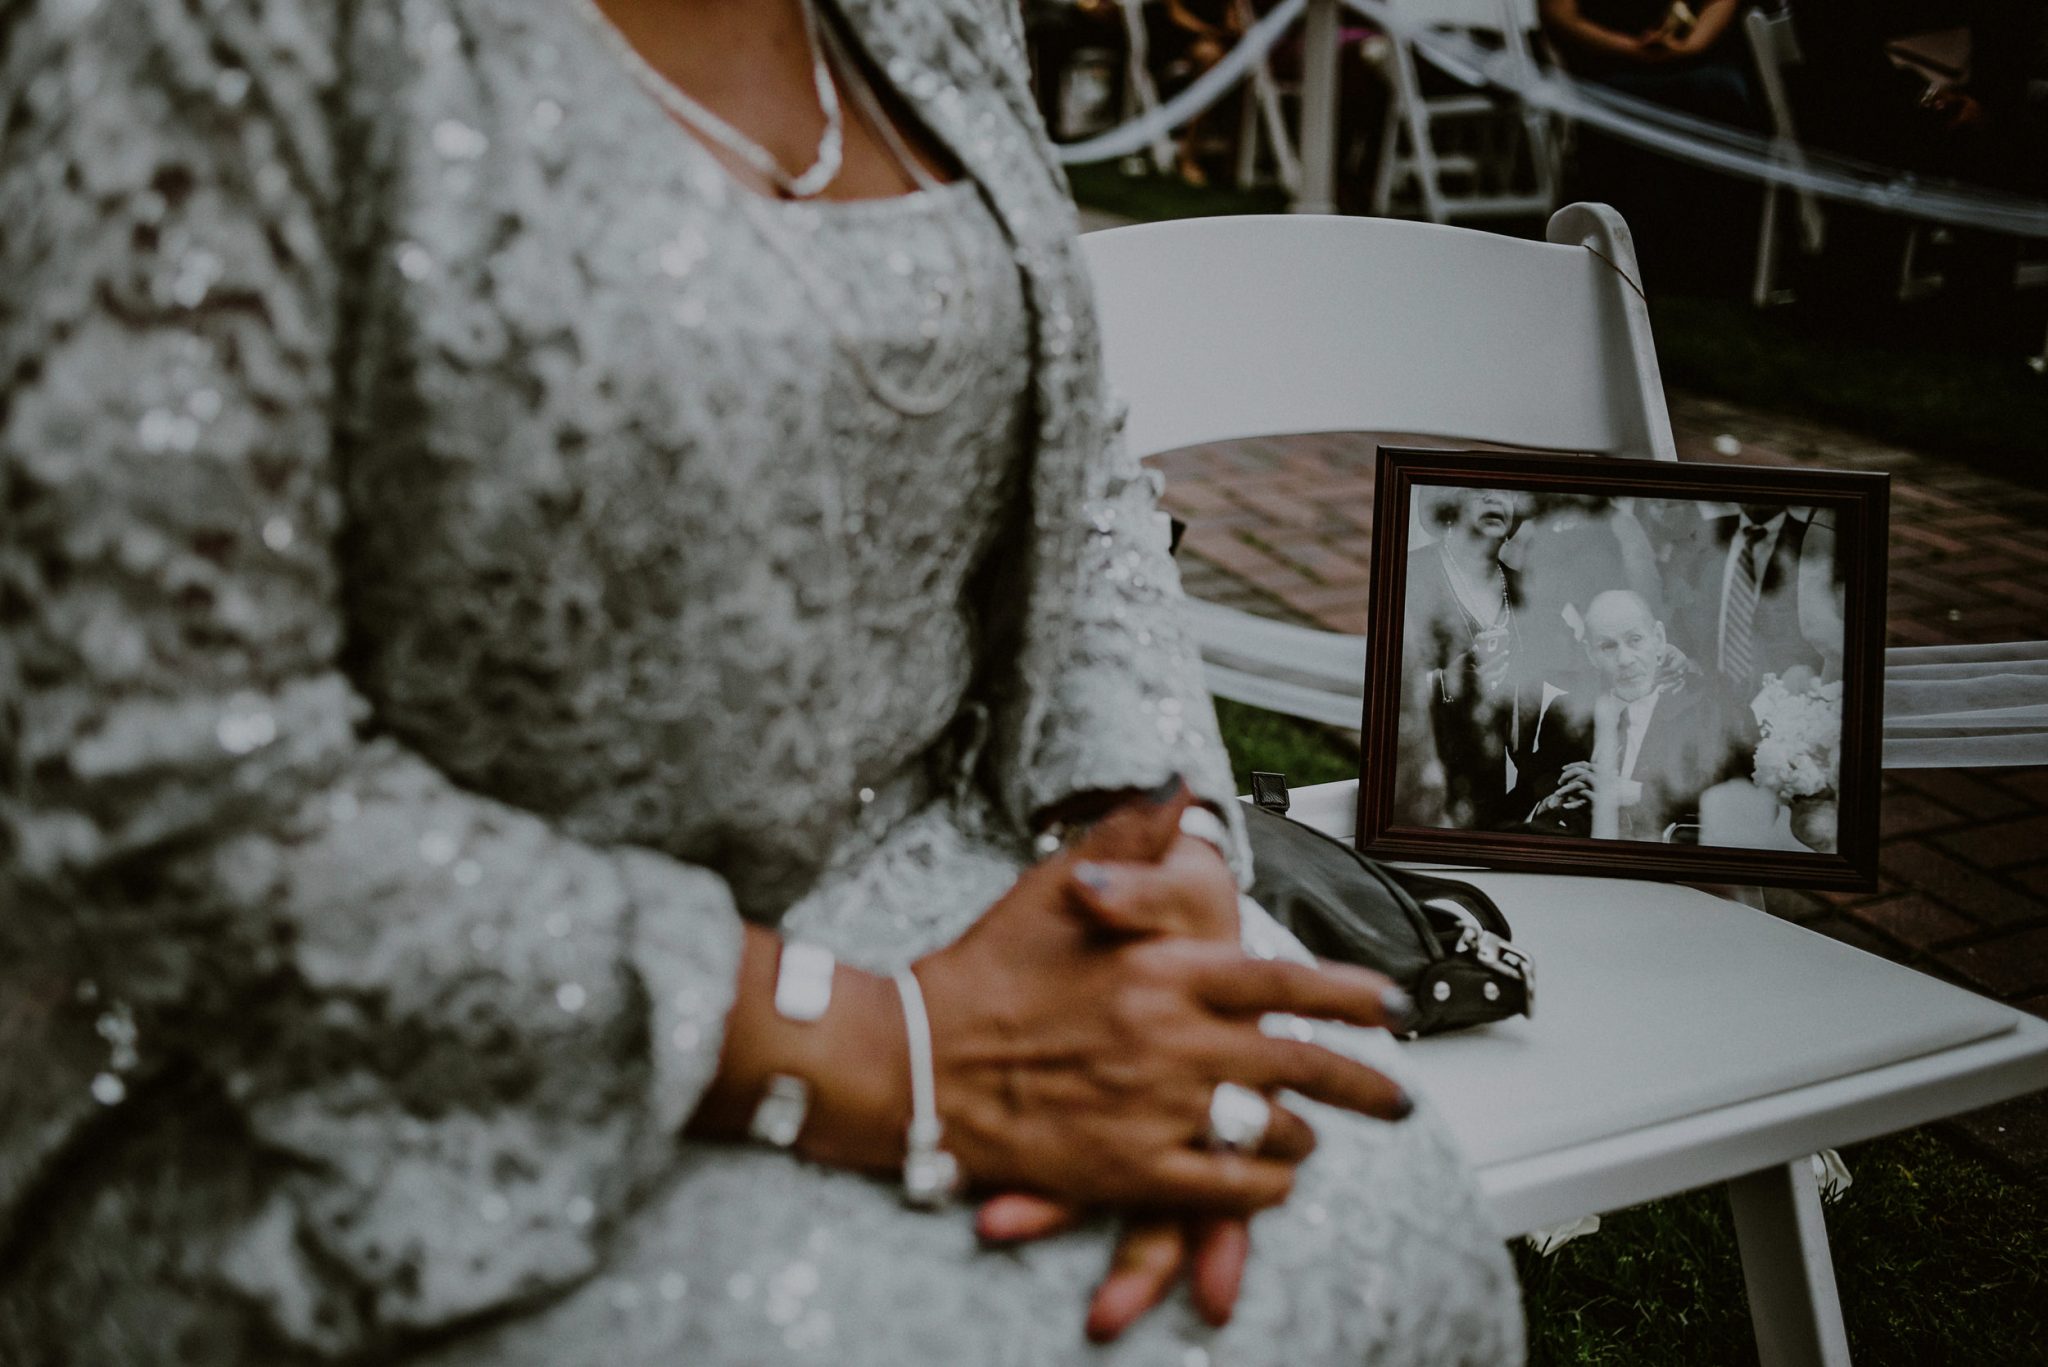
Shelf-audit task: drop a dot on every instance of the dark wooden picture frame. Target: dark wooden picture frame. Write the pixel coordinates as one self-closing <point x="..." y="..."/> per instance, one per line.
<point x="1854" y="505"/>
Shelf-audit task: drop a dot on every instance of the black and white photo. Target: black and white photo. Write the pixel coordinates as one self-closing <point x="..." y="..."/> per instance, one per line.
<point x="1669" y="662"/>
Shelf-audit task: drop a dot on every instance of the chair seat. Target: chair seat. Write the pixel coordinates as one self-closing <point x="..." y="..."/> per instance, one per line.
<point x="1681" y="1039"/>
<point x="1656" y="1002"/>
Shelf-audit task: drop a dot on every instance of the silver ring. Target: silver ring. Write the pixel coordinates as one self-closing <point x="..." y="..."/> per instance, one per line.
<point x="1238" y="1117"/>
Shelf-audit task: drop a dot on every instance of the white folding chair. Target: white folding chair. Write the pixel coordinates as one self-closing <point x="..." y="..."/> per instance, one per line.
<point x="1263" y="122"/>
<point x="1466" y="155"/>
<point x="1681" y="1040"/>
<point x="1775" y="48"/>
<point x="1264" y="324"/>
<point x="1141" y="93"/>
<point x="1257" y="326"/>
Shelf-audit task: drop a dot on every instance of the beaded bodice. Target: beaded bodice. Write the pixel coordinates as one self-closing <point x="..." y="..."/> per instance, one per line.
<point x="769" y="588"/>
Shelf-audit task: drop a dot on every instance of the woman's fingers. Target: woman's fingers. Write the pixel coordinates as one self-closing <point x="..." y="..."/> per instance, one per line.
<point x="1152" y="1255"/>
<point x="1236" y="984"/>
<point x="1189" y="892"/>
<point x="1142" y="828"/>
<point x="1217" y="1254"/>
<point x="1148" y="1259"/>
<point x="1019" y="1217"/>
<point x="1326" y="1076"/>
<point x="1217" y="1183"/>
<point x="1289" y="1138"/>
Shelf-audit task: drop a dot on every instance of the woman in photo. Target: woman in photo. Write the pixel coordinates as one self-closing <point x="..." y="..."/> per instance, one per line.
<point x="1466" y="644"/>
<point x="591" y="703"/>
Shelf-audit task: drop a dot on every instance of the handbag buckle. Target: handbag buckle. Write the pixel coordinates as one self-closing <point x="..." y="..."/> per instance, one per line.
<point x="1489" y="951"/>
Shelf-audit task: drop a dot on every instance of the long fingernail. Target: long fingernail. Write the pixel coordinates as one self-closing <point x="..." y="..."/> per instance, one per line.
<point x="1404" y="1106"/>
<point x="1399" y="1008"/>
<point x="1093" y="877"/>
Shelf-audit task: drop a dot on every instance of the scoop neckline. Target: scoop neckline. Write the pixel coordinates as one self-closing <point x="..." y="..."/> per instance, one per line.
<point x="919" y="198"/>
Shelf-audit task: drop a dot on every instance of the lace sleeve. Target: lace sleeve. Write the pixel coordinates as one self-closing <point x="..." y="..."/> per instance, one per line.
<point x="1127" y="705"/>
<point x="461" y="1039"/>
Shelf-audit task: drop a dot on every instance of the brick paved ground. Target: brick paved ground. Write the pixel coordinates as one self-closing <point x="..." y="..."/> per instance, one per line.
<point x="1284" y="527"/>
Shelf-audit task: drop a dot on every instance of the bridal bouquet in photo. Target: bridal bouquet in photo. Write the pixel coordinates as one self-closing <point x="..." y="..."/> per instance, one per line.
<point x="1799" y="760"/>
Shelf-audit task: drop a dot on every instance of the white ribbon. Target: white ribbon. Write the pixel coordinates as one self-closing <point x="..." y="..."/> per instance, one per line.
<point x="1718" y="146"/>
<point x="1205" y="90"/>
<point x="1685" y="137"/>
<point x="1945" y="707"/>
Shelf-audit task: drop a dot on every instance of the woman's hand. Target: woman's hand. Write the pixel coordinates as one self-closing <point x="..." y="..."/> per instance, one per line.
<point x="1192" y="892"/>
<point x="1151" y="1255"/>
<point x="1655" y="48"/>
<point x="1188" y="892"/>
<point x="1132" y="878"/>
<point x="1080" y="1066"/>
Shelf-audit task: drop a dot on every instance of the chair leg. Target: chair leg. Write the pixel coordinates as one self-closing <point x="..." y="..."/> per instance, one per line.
<point x="1765" y="285"/>
<point x="1142" y="95"/>
<point x="1421" y="143"/>
<point x="1786" y="1268"/>
<point x="1247" y="142"/>
<point x="1542" y="156"/>
<point x="1272" y="117"/>
<point x="1320" y="73"/>
<point x="1385" y="174"/>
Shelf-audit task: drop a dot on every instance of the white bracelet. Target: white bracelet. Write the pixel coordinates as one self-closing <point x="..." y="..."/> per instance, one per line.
<point x="803" y="981"/>
<point x="930" y="1174"/>
<point x="803" y="991"/>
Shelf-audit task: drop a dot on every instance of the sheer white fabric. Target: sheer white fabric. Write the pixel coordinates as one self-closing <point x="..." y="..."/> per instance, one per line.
<point x="1944" y="706"/>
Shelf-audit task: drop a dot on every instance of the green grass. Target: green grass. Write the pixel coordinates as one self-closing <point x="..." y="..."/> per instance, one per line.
<point x="1303" y="751"/>
<point x="1940" y="1259"/>
<point x="1966" y="404"/>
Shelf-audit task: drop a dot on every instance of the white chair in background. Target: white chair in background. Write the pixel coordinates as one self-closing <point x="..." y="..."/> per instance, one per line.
<point x="1776" y="48"/>
<point x="1680" y="1041"/>
<point x="1141" y="93"/>
<point x="1263" y="122"/>
<point x="1256" y="324"/>
<point x="1467" y="154"/>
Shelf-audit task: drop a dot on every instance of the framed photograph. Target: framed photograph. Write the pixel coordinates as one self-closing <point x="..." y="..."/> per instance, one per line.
<point x="1628" y="667"/>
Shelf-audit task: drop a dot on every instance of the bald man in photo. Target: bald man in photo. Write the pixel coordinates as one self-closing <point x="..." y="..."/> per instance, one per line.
<point x="1643" y="751"/>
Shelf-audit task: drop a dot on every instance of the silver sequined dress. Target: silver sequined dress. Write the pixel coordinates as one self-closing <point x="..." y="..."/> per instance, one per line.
<point x="457" y="562"/>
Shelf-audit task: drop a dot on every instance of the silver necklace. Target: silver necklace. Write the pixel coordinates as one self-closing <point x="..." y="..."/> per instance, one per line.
<point x="1467" y="594"/>
<point x="910" y="400"/>
<point x="960" y="312"/>
<point x="914" y="399"/>
<point x="806" y="184"/>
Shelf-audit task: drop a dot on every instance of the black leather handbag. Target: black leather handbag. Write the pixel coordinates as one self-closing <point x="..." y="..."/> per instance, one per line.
<point x="1443" y="941"/>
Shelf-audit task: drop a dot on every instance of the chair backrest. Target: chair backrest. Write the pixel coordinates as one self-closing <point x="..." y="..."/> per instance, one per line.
<point x="1485" y="16"/>
<point x="1217" y="328"/>
<point x="1511" y="21"/>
